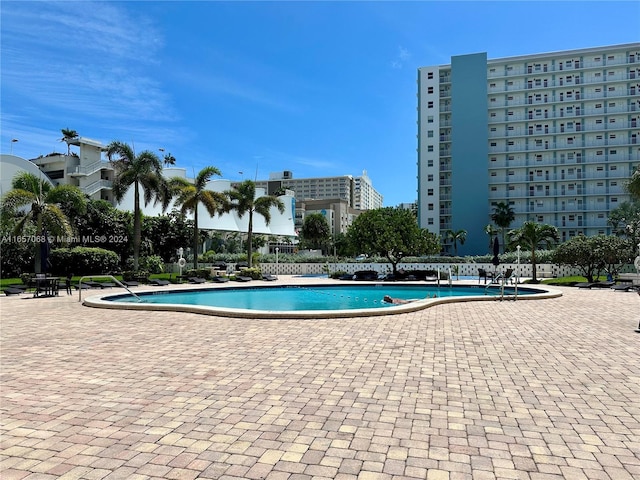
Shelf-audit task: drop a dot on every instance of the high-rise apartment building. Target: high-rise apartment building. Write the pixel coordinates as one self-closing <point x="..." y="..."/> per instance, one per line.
<point x="358" y="192"/>
<point x="555" y="136"/>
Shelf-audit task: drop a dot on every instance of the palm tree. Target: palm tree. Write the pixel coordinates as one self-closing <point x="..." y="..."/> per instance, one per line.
<point x="503" y="216"/>
<point x="633" y="187"/>
<point x="456" y="236"/>
<point x="533" y="235"/>
<point x="45" y="212"/>
<point x="143" y="170"/>
<point x="242" y="199"/>
<point x="491" y="231"/>
<point x="190" y="195"/>
<point x="67" y="136"/>
<point x="169" y="160"/>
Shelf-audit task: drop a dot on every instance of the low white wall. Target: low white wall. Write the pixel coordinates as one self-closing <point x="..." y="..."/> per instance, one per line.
<point x="544" y="270"/>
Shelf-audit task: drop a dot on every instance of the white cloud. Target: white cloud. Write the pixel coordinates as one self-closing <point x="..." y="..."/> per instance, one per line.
<point x="79" y="59"/>
<point x="401" y="58"/>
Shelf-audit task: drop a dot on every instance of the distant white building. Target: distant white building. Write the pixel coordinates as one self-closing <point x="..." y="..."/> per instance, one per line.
<point x="358" y="192"/>
<point x="94" y="176"/>
<point x="86" y="170"/>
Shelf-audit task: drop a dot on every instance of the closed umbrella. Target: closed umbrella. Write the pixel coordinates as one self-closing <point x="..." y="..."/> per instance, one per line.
<point x="496" y="251"/>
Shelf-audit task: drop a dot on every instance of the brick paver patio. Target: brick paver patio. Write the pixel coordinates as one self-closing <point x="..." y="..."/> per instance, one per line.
<point x="535" y="390"/>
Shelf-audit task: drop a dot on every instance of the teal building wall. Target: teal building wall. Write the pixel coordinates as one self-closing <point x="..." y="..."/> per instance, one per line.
<point x="469" y="154"/>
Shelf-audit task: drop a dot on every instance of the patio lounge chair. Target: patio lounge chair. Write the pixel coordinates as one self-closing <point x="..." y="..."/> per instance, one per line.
<point x="130" y="283"/>
<point x="196" y="280"/>
<point x="483" y="274"/>
<point x="12" y="291"/>
<point x="159" y="282"/>
<point x="242" y="278"/>
<point x="623" y="287"/>
<point x="269" y="277"/>
<point x="219" y="279"/>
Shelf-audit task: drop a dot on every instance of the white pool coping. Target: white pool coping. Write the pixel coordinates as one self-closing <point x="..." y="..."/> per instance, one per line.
<point x="102" y="301"/>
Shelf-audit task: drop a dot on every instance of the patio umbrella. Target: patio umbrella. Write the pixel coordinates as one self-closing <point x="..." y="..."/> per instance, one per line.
<point x="496" y="251"/>
<point x="45" y="249"/>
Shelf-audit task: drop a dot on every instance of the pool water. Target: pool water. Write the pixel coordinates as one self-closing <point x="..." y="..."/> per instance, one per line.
<point x="293" y="298"/>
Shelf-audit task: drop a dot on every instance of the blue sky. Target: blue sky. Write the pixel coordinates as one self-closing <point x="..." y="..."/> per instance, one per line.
<point x="318" y="88"/>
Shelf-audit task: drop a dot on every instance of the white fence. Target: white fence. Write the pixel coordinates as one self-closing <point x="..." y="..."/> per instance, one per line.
<point x="544" y="270"/>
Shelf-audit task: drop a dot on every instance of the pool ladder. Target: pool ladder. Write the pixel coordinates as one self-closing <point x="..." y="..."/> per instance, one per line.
<point x="104" y="276"/>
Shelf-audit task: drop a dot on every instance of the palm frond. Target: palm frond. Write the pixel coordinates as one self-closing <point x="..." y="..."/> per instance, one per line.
<point x="14" y="199"/>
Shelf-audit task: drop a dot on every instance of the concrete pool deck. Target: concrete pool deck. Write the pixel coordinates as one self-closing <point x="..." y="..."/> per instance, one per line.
<point x="536" y="390"/>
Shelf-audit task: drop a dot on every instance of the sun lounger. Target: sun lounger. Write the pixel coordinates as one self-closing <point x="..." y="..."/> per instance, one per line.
<point x="159" y="282"/>
<point x="219" y="279"/>
<point x="130" y="283"/>
<point x="623" y="287"/>
<point x="196" y="280"/>
<point x="269" y="277"/>
<point x="241" y="278"/>
<point x="12" y="291"/>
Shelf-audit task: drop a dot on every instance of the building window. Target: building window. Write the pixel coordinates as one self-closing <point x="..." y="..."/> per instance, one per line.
<point x="430" y="192"/>
<point x="430" y="105"/>
<point x="430" y="90"/>
<point x="430" y="75"/>
<point x="494" y="189"/>
<point x="430" y="119"/>
<point x="430" y="134"/>
<point x="429" y="148"/>
<point x="429" y="163"/>
<point x="430" y="178"/>
<point x="430" y="221"/>
<point x="430" y="206"/>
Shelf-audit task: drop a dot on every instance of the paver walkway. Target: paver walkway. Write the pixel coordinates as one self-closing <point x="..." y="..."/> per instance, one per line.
<point x="536" y="390"/>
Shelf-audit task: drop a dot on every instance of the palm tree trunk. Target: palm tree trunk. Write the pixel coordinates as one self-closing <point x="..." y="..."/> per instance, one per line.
<point x="196" y="240"/>
<point x="533" y="265"/>
<point x="38" y="255"/>
<point x="249" y="238"/>
<point x="137" y="230"/>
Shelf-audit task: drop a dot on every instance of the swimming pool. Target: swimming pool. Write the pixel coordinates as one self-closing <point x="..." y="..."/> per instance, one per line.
<point x="307" y="301"/>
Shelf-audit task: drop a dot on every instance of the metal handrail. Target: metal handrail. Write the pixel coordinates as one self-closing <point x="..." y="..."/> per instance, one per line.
<point x="104" y="276"/>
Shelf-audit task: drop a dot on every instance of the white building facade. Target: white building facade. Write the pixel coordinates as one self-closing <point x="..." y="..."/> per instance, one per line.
<point x="555" y="136"/>
<point x="358" y="192"/>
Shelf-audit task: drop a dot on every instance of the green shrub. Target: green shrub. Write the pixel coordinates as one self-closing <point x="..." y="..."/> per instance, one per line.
<point x="253" y="272"/>
<point x="200" y="272"/>
<point x="152" y="263"/>
<point x="84" y="261"/>
<point x="135" y="275"/>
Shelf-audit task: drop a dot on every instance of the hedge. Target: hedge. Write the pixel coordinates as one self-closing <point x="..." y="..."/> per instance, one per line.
<point x="84" y="261"/>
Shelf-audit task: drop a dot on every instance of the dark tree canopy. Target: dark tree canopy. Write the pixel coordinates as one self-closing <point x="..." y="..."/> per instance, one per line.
<point x="392" y="233"/>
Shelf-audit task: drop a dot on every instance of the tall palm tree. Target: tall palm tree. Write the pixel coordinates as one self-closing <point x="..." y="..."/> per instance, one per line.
<point x="491" y="231"/>
<point x="45" y="212"/>
<point x="189" y="195"/>
<point x="503" y="216"/>
<point x="633" y="186"/>
<point x="142" y="171"/>
<point x="169" y="160"/>
<point x="533" y="235"/>
<point x="242" y="199"/>
<point x="68" y="136"/>
<point x="456" y="236"/>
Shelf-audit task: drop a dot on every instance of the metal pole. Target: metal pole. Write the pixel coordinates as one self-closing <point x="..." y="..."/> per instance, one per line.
<point x="517" y="273"/>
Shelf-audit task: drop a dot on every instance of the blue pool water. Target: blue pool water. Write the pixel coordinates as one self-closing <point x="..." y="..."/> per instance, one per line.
<point x="293" y="298"/>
